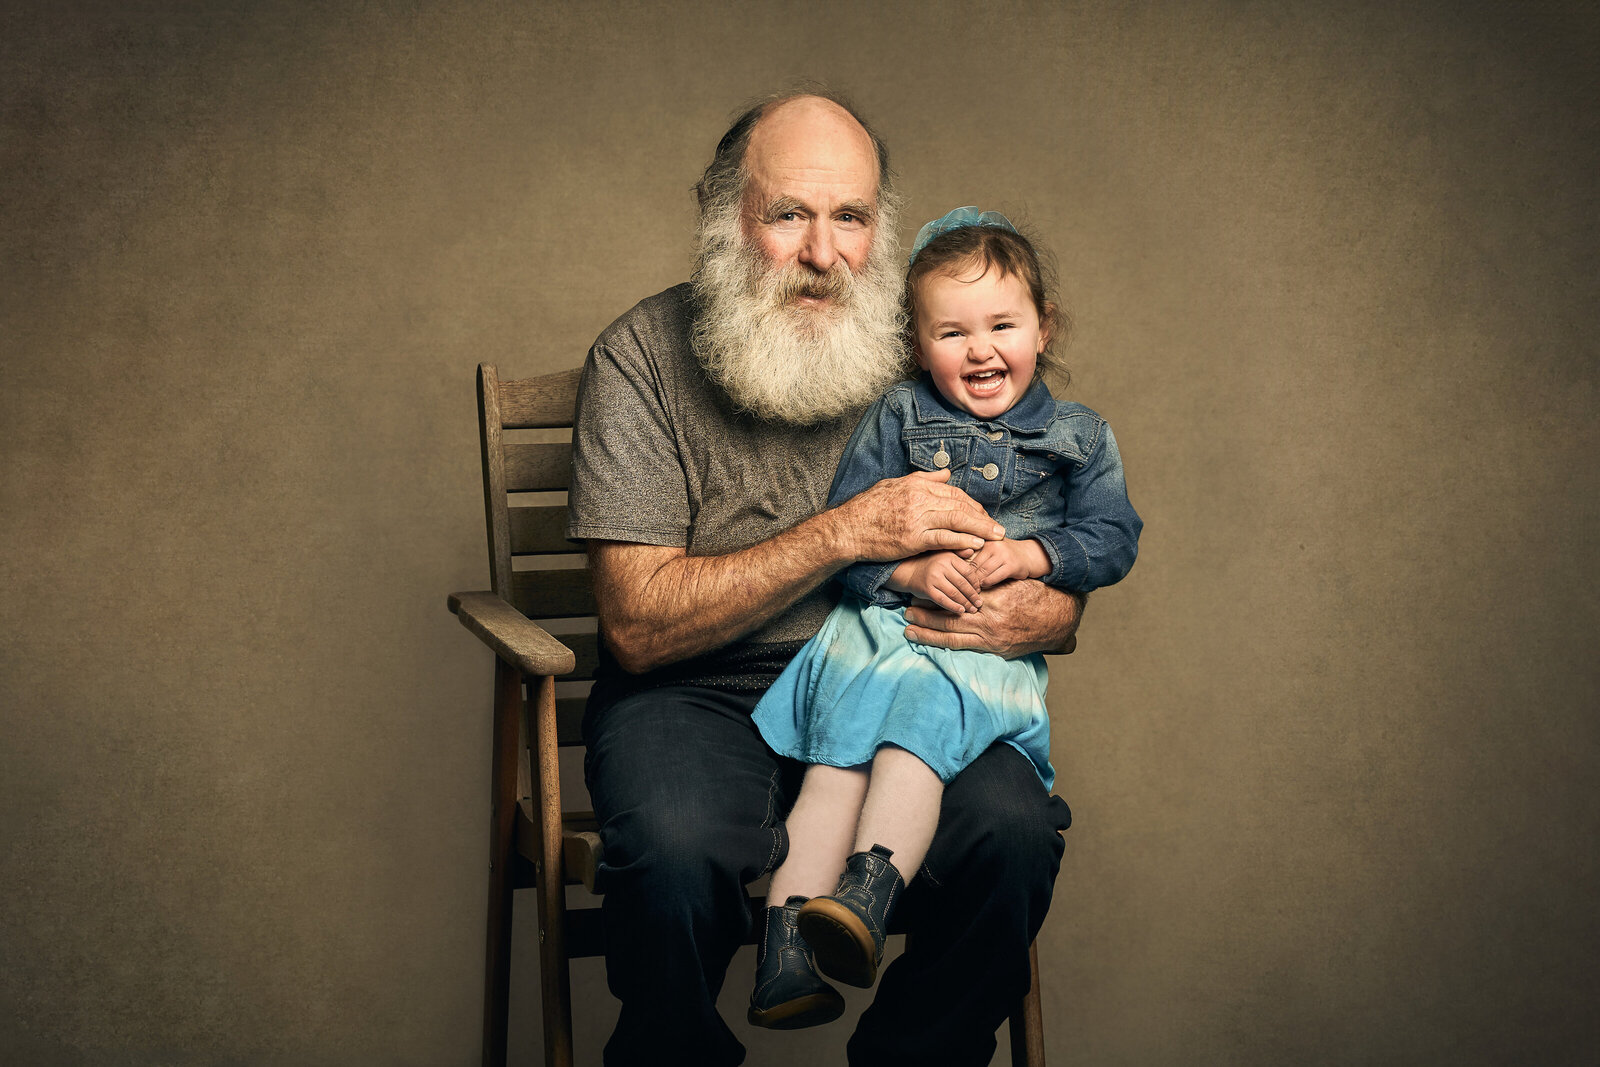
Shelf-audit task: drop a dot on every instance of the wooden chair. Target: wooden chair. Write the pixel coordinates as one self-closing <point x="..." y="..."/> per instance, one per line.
<point x="533" y="840"/>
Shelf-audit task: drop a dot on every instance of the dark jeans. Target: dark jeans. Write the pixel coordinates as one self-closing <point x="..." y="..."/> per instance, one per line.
<point x="691" y="802"/>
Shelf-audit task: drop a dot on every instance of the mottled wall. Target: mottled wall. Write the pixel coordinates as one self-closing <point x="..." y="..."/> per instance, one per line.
<point x="1332" y="746"/>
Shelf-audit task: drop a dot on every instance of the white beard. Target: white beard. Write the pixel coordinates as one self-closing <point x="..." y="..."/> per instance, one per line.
<point x="779" y="359"/>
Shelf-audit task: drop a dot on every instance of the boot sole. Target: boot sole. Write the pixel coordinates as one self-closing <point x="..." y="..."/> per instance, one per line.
<point x="814" y="1009"/>
<point x="841" y="942"/>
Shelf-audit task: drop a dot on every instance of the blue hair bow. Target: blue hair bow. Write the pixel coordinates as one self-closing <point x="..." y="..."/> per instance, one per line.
<point x="955" y="220"/>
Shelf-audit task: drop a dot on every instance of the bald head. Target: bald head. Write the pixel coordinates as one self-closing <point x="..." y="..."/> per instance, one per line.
<point x="814" y="140"/>
<point x="723" y="182"/>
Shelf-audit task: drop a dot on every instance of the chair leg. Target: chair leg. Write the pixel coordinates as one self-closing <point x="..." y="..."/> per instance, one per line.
<point x="1027" y="1024"/>
<point x="502" y="824"/>
<point x="550" y="885"/>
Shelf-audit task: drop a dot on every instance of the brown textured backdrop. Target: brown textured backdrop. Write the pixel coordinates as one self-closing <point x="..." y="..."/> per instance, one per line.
<point x="1332" y="746"/>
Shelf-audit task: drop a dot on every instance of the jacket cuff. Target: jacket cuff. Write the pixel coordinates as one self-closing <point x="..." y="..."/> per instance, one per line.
<point x="867" y="581"/>
<point x="1069" y="560"/>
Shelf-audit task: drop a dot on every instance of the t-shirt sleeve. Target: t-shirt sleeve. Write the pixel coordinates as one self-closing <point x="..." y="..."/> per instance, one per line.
<point x="627" y="475"/>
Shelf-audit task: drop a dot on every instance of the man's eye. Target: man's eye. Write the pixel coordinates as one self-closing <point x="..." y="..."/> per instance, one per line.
<point x="787" y="216"/>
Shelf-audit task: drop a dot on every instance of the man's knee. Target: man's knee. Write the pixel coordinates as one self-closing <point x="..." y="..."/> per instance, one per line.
<point x="671" y="847"/>
<point x="1001" y="823"/>
<point x="686" y="793"/>
<point x="687" y="844"/>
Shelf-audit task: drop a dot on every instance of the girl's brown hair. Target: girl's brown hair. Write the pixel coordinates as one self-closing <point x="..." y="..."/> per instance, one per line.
<point x="965" y="249"/>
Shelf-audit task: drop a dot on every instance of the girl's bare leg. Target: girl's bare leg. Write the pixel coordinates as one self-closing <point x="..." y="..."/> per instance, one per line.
<point x="846" y="928"/>
<point x="901" y="809"/>
<point x="821" y="828"/>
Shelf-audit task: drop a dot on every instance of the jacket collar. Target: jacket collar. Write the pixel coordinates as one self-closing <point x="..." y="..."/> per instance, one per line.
<point x="1031" y="414"/>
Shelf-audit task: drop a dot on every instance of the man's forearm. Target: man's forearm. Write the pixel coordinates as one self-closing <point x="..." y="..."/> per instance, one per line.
<point x="659" y="605"/>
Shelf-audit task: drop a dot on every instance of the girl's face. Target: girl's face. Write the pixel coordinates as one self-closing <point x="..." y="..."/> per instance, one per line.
<point x="979" y="337"/>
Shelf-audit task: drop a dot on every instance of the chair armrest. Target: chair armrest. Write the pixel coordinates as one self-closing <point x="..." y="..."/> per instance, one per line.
<point x="521" y="643"/>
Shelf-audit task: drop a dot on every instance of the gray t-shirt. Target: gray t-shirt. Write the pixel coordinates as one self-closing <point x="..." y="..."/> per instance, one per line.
<point x="661" y="458"/>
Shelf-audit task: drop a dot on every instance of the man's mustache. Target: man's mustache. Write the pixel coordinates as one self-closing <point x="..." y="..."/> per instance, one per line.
<point x="795" y="281"/>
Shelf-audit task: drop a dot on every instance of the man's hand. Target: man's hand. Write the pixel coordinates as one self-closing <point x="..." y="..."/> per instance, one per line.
<point x="942" y="577"/>
<point x="901" y="517"/>
<point x="659" y="605"/>
<point x="999" y="561"/>
<point x="1017" y="617"/>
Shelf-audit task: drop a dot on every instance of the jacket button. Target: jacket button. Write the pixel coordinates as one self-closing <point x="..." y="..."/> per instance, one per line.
<point x="995" y="435"/>
<point x="941" y="459"/>
<point x="990" y="471"/>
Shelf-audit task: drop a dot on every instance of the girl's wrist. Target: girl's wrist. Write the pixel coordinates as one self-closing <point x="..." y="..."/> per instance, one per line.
<point x="1037" y="559"/>
<point x="899" y="576"/>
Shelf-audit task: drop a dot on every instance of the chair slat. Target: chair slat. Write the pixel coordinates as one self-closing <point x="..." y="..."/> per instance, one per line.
<point x="537" y="468"/>
<point x="553" y="594"/>
<point x="540" y="529"/>
<point x="536" y="403"/>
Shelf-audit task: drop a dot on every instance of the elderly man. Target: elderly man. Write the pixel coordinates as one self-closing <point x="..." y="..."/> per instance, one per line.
<point x="711" y="418"/>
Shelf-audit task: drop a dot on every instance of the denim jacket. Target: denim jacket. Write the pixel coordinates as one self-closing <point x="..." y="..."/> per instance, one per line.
<point x="1046" y="469"/>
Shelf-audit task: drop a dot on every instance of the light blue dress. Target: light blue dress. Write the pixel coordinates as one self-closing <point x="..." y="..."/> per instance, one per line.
<point x="1046" y="470"/>
<point x="859" y="685"/>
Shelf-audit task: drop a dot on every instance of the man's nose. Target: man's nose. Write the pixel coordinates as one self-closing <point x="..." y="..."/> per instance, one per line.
<point x="819" y="252"/>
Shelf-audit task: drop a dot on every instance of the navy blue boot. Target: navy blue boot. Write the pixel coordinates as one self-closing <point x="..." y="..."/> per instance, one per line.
<point x="847" y="930"/>
<point x="788" y="993"/>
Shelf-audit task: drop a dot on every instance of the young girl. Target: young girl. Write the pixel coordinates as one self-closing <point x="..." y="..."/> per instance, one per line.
<point x="886" y="723"/>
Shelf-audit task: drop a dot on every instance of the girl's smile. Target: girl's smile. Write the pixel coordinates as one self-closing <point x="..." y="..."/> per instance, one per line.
<point x="979" y="338"/>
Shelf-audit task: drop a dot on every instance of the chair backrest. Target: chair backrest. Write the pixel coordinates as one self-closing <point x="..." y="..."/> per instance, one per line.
<point x="532" y="565"/>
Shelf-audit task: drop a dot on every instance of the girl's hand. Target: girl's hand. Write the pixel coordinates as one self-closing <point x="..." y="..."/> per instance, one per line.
<point x="942" y="577"/>
<point x="999" y="561"/>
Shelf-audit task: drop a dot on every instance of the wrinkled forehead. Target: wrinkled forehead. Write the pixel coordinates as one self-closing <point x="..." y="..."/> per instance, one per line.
<point x="812" y="144"/>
